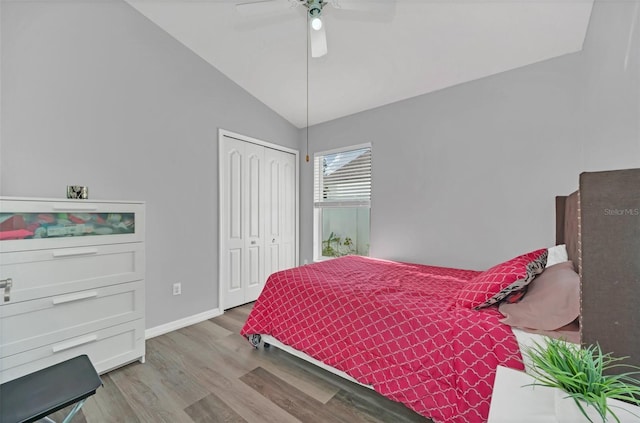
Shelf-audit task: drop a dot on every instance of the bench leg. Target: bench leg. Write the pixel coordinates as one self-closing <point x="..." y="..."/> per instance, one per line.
<point x="70" y="416"/>
<point x="73" y="411"/>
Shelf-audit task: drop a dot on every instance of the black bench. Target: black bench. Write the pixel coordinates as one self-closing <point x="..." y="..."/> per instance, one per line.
<point x="36" y="395"/>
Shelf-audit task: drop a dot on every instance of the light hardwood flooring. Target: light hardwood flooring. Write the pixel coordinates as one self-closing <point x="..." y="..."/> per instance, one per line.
<point x="209" y="373"/>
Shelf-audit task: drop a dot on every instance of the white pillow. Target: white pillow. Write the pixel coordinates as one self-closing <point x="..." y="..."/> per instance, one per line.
<point x="556" y="255"/>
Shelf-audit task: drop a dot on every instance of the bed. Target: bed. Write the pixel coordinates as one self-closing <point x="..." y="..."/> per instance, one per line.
<point x="431" y="337"/>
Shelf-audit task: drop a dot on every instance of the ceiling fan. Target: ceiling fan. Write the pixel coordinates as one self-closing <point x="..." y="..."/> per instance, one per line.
<point x="315" y="9"/>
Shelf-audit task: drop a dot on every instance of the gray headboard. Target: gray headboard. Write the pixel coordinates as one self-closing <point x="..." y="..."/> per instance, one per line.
<point x="600" y="223"/>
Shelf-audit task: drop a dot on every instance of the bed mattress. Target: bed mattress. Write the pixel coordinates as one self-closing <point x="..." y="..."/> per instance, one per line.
<point x="393" y="326"/>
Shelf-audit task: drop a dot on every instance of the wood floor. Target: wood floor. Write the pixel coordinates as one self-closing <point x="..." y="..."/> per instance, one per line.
<point x="209" y="373"/>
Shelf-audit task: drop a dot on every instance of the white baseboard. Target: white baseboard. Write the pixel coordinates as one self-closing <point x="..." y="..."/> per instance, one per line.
<point x="181" y="323"/>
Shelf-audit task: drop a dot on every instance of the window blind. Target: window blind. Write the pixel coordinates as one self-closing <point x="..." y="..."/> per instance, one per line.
<point x="343" y="178"/>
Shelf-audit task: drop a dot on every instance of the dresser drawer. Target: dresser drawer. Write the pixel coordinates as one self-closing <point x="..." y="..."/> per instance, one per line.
<point x="31" y="324"/>
<point x="32" y="224"/>
<point x="44" y="273"/>
<point x="107" y="348"/>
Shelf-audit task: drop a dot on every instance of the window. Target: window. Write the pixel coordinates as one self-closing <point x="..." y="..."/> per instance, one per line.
<point x="342" y="201"/>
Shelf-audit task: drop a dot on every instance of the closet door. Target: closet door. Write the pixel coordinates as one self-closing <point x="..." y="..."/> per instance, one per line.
<point x="280" y="217"/>
<point x="242" y="222"/>
<point x="258" y="216"/>
<point x="254" y="221"/>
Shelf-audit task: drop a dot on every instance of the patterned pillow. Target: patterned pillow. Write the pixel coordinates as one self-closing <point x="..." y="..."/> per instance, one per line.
<point x="515" y="296"/>
<point x="493" y="285"/>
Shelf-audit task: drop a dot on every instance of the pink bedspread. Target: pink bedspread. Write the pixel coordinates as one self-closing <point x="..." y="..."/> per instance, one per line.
<point x="394" y="326"/>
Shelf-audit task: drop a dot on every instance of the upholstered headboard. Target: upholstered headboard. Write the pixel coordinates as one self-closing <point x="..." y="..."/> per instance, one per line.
<point x="568" y="223"/>
<point x="600" y="223"/>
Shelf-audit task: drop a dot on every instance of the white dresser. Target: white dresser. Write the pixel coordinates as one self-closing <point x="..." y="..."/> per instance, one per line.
<point x="75" y="276"/>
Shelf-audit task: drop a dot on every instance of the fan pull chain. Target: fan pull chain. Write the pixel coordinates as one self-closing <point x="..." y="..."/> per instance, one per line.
<point x="307" y="66"/>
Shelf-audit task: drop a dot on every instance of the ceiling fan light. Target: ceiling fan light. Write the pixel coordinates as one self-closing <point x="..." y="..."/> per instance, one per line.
<point x="316" y="23"/>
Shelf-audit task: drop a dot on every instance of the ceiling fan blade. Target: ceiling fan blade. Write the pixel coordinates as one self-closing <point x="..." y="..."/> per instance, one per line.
<point x="374" y="6"/>
<point x="261" y="7"/>
<point x="318" y="39"/>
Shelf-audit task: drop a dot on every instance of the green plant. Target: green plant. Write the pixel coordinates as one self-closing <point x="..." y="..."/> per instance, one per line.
<point x="335" y="247"/>
<point x="583" y="374"/>
<point x="327" y="248"/>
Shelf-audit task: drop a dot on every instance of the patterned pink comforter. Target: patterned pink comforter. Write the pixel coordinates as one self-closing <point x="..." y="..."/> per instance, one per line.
<point x="394" y="326"/>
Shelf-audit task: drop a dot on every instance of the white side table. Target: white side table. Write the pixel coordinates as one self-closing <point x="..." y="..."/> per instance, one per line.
<point x="513" y="401"/>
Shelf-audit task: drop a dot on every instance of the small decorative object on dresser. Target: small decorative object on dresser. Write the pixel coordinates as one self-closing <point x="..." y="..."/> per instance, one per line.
<point x="77" y="192"/>
<point x="76" y="270"/>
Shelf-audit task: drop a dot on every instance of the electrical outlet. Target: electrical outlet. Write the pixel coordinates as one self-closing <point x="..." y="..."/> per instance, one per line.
<point x="177" y="288"/>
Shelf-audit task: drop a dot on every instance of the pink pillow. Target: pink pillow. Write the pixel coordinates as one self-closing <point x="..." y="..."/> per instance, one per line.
<point x="552" y="301"/>
<point x="493" y="285"/>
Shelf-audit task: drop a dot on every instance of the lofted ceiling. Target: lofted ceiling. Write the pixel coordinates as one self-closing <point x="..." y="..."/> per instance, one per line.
<point x="373" y="59"/>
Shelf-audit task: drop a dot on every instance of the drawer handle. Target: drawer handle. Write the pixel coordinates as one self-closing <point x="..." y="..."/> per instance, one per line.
<point x="6" y="284"/>
<point x="74" y="207"/>
<point x="74" y="343"/>
<point x="74" y="297"/>
<point x="75" y="252"/>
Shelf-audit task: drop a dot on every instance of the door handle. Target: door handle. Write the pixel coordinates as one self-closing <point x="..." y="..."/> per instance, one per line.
<point x="273" y="241"/>
<point x="254" y="242"/>
<point x="6" y="284"/>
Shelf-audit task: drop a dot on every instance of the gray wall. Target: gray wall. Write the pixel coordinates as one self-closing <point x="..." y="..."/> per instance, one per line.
<point x="611" y="63"/>
<point x="95" y="94"/>
<point x="467" y="176"/>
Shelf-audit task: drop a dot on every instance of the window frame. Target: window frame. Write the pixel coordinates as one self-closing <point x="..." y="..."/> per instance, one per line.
<point x="318" y="209"/>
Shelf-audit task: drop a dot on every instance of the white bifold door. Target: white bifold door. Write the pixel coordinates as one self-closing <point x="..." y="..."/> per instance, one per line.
<point x="280" y="211"/>
<point x="258" y="197"/>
